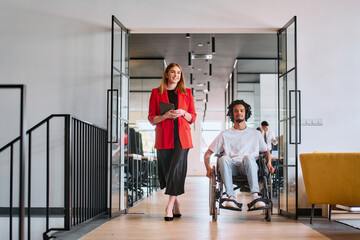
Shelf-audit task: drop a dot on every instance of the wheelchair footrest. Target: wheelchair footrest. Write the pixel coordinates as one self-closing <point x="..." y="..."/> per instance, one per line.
<point x="264" y="200"/>
<point x="239" y="205"/>
<point x="230" y="208"/>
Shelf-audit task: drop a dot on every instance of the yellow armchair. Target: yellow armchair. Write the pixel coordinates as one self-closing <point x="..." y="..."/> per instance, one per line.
<point x="331" y="178"/>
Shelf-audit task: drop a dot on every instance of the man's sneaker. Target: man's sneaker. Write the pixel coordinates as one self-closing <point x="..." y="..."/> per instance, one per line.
<point x="231" y="204"/>
<point x="259" y="204"/>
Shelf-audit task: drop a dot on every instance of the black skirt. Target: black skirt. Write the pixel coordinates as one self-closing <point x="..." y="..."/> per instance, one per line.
<point x="172" y="167"/>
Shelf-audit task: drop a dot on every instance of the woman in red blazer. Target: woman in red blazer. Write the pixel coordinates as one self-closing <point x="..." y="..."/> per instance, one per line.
<point x="172" y="134"/>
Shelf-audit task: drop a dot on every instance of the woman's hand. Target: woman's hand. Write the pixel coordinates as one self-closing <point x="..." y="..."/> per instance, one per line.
<point x="172" y="114"/>
<point x="180" y="111"/>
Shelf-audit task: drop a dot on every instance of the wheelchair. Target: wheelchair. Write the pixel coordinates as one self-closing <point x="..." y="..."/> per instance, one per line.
<point x="217" y="193"/>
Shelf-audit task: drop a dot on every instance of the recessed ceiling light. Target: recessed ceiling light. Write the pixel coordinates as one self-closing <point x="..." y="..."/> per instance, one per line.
<point x="201" y="56"/>
<point x="200" y="44"/>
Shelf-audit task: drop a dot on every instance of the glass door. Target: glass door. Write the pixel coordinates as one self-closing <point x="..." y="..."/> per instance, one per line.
<point x="289" y="120"/>
<point x="118" y="117"/>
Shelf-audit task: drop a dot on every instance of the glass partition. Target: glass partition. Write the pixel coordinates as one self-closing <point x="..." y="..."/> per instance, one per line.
<point x="289" y="119"/>
<point x="118" y="107"/>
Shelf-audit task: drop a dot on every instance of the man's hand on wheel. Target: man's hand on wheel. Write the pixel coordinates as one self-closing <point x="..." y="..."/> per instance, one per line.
<point x="209" y="172"/>
<point x="271" y="168"/>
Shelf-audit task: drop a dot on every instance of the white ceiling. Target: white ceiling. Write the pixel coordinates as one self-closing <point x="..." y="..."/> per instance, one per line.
<point x="160" y="16"/>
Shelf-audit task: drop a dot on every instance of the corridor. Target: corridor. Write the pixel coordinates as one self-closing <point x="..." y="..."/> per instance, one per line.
<point x="145" y="221"/>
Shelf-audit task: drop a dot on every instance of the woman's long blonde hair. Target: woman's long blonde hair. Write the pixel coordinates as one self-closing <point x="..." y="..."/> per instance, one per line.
<point x="164" y="81"/>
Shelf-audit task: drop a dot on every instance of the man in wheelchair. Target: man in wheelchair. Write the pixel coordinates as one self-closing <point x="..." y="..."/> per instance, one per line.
<point x="240" y="147"/>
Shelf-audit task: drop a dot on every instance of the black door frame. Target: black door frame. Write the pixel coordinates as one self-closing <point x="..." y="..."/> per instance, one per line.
<point x="297" y="117"/>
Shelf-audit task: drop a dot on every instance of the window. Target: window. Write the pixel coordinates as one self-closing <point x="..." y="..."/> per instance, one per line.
<point x="148" y="137"/>
<point x="209" y="131"/>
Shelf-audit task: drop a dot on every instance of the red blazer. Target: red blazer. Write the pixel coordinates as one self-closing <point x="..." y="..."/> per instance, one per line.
<point x="164" y="131"/>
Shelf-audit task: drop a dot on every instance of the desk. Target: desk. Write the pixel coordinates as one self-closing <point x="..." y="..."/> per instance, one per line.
<point x="152" y="177"/>
<point x="277" y="178"/>
<point x="147" y="163"/>
<point x="155" y="176"/>
<point x="143" y="176"/>
<point x="135" y="169"/>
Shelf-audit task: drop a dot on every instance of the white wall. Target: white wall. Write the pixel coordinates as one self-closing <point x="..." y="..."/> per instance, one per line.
<point x="195" y="165"/>
<point x="61" y="50"/>
<point x="268" y="101"/>
<point x="327" y="77"/>
<point x="250" y="93"/>
<point x="63" y="59"/>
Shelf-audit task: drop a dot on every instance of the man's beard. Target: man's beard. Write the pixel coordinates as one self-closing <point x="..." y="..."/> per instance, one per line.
<point x="239" y="120"/>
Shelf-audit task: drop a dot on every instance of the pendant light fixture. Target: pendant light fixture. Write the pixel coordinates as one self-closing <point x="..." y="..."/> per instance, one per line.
<point x="189" y="59"/>
<point x="210" y="64"/>
<point x="189" y="52"/>
<point x="213" y="44"/>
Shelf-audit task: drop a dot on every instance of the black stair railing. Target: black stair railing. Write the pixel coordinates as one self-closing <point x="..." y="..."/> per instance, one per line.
<point x="85" y="174"/>
<point x="21" y="180"/>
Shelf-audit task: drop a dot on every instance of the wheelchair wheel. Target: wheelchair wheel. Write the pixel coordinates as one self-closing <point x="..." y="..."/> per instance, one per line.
<point x="270" y="193"/>
<point x="268" y="214"/>
<point x="214" y="216"/>
<point x="212" y="195"/>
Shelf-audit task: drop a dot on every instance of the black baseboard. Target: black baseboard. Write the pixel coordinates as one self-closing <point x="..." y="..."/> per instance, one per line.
<point x="307" y="212"/>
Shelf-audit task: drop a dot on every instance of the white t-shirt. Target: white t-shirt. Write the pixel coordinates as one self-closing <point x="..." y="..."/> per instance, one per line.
<point x="237" y="144"/>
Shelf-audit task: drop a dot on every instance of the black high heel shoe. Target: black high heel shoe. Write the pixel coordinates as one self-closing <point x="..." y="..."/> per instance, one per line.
<point x="177" y="215"/>
<point x="168" y="218"/>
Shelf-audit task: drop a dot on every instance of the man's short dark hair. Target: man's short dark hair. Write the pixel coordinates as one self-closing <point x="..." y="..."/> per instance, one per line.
<point x="230" y="112"/>
<point x="264" y="123"/>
